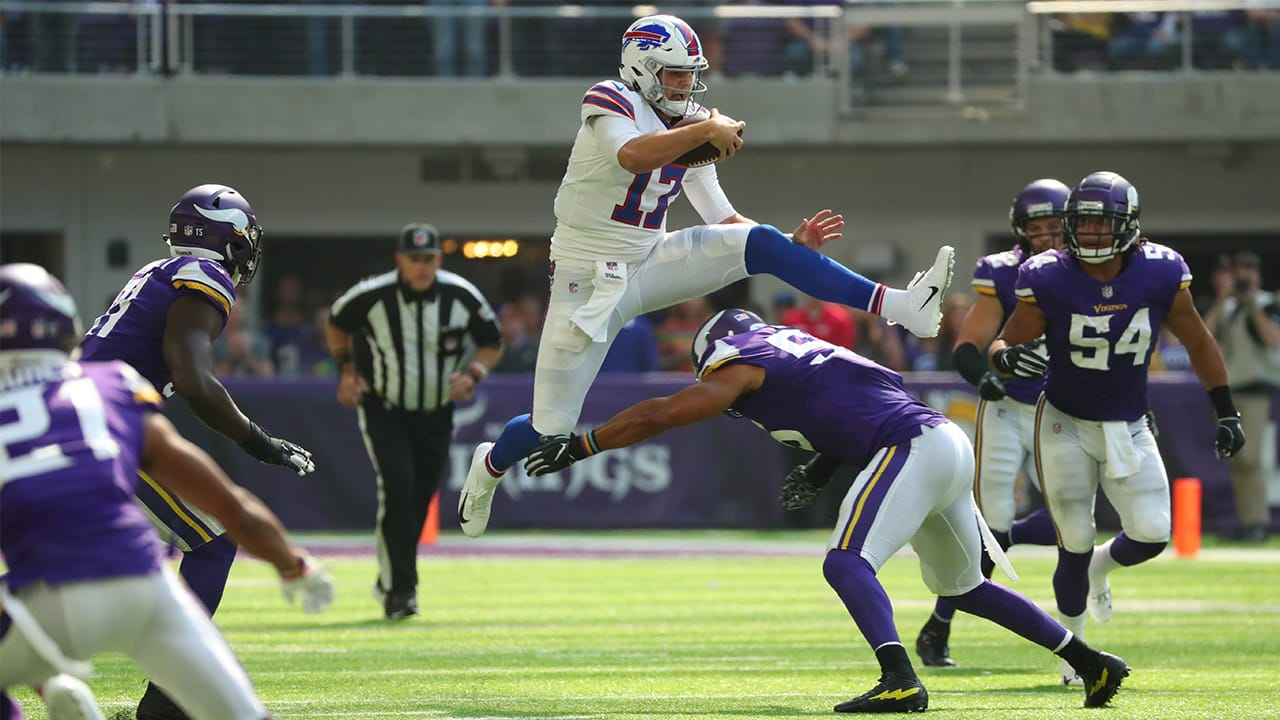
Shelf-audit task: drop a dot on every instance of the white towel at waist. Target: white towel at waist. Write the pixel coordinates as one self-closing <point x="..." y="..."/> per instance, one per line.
<point x="1123" y="459"/>
<point x="592" y="318"/>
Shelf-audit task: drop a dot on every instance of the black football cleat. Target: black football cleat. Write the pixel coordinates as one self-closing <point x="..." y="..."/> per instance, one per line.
<point x="1102" y="679"/>
<point x="931" y="645"/>
<point x="155" y="705"/>
<point x="399" y="606"/>
<point x="895" y="694"/>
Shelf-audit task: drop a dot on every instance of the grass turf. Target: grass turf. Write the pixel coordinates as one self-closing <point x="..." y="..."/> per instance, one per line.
<point x="720" y="636"/>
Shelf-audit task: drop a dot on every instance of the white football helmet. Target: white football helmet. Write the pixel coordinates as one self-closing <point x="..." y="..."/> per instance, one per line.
<point x="653" y="44"/>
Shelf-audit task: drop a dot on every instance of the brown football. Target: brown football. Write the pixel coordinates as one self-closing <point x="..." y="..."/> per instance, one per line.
<point x="704" y="154"/>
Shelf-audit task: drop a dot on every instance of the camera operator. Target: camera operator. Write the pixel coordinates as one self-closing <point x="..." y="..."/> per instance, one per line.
<point x="1246" y="322"/>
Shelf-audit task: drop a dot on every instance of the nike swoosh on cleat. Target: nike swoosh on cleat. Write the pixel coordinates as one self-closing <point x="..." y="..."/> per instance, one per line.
<point x="933" y="290"/>
<point x="462" y="517"/>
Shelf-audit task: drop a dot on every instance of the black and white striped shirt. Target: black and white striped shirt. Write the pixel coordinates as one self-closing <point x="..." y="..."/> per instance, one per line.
<point x="406" y="343"/>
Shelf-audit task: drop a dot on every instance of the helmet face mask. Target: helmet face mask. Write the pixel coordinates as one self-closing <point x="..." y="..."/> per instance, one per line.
<point x="1104" y="205"/>
<point x="38" y="319"/>
<point x="1042" y="199"/>
<point x="216" y="223"/>
<point x="723" y="324"/>
<point x="659" y="43"/>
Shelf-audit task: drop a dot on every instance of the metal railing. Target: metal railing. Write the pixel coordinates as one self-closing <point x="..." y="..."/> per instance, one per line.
<point x="916" y="51"/>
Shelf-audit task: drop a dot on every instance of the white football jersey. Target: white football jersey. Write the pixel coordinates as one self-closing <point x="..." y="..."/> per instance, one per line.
<point x="606" y="212"/>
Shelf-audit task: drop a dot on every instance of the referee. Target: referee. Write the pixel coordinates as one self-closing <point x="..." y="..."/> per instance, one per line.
<point x="408" y="344"/>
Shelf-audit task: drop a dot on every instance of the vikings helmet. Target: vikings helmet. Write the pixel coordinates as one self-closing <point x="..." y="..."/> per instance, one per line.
<point x="1045" y="197"/>
<point x="1107" y="195"/>
<point x="38" y="318"/>
<point x="216" y="223"/>
<point x="653" y="44"/>
<point x="723" y="324"/>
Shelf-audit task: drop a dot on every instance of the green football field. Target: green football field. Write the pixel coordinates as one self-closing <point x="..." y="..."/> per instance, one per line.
<point x="715" y="625"/>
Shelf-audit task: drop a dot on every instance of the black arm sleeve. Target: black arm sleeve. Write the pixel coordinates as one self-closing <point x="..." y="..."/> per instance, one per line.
<point x="970" y="362"/>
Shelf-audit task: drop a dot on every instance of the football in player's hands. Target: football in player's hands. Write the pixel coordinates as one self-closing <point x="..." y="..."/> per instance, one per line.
<point x="706" y="153"/>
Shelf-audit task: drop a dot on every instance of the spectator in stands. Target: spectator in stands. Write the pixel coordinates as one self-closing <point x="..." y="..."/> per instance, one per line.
<point x="313" y="349"/>
<point x="240" y="350"/>
<point x="288" y="327"/>
<point x="634" y="350"/>
<point x="1080" y="41"/>
<point x="675" y="333"/>
<point x="783" y="303"/>
<point x="810" y="41"/>
<point x="520" y="346"/>
<point x="106" y="42"/>
<point x="879" y="342"/>
<point x="751" y="46"/>
<point x="466" y="26"/>
<point x="1246" y="322"/>
<point x="1262" y="39"/>
<point x="1145" y="41"/>
<point x="1170" y="353"/>
<point x="1218" y="39"/>
<point x="823" y="320"/>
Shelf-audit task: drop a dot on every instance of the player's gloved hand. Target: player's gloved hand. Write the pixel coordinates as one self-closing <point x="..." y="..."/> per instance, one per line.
<point x="275" y="451"/>
<point x="804" y="482"/>
<point x="1230" y="436"/>
<point x="1020" y="361"/>
<point x="311" y="583"/>
<point x="991" y="387"/>
<point x="556" y="453"/>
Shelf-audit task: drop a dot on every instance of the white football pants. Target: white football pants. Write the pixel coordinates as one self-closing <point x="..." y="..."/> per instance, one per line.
<point x="152" y="619"/>
<point x="685" y="264"/>
<point x="917" y="493"/>
<point x="1004" y="444"/>
<point x="1071" y="457"/>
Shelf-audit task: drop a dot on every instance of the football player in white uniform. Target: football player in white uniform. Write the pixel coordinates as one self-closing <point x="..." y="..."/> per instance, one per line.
<point x="613" y="259"/>
<point x="1005" y="425"/>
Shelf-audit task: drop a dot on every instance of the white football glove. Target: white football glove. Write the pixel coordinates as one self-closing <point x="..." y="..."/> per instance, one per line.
<point x="312" y="583"/>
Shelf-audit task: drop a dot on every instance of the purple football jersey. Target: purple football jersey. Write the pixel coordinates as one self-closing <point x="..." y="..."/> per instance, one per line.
<point x="73" y="435"/>
<point x="132" y="329"/>
<point x="822" y="397"/>
<point x="1100" y="335"/>
<point x="996" y="275"/>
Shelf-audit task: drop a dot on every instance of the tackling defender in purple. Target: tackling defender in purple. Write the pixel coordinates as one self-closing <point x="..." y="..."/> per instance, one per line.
<point x="163" y="323"/>
<point x="917" y="468"/>
<point x="86" y="567"/>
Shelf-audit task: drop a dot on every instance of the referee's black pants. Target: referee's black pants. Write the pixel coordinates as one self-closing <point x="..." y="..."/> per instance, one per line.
<point x="408" y="451"/>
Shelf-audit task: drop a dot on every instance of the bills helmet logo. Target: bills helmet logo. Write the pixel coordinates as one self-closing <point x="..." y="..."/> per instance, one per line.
<point x="646" y="37"/>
